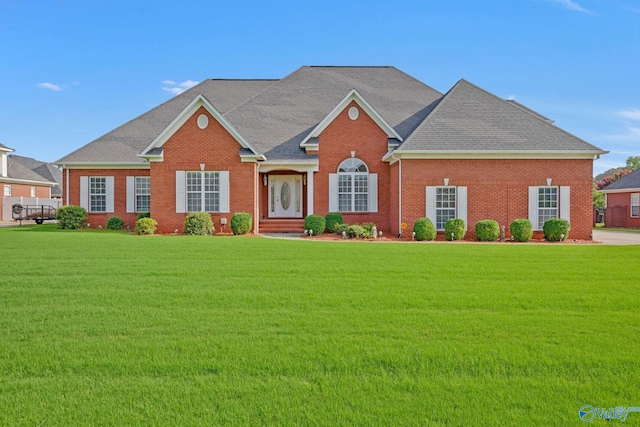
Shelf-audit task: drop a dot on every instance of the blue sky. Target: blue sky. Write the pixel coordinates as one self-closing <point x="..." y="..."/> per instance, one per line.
<point x="72" y="70"/>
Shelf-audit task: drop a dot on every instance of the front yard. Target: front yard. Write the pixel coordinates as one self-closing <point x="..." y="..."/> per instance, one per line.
<point x="106" y="328"/>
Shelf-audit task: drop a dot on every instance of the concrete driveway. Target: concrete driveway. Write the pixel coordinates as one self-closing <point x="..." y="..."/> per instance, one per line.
<point x="616" y="237"/>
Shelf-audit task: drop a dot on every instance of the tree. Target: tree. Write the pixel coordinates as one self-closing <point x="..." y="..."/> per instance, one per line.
<point x="633" y="163"/>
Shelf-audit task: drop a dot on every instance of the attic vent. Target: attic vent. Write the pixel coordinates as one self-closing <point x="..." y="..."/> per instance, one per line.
<point x="354" y="113"/>
<point x="203" y="121"/>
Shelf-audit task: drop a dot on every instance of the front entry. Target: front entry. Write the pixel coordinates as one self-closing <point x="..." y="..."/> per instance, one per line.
<point x="285" y="196"/>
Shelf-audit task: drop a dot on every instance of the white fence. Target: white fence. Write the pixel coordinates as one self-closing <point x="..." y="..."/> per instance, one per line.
<point x="8" y="202"/>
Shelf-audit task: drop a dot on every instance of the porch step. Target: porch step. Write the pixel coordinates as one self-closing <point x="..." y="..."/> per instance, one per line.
<point x="282" y="226"/>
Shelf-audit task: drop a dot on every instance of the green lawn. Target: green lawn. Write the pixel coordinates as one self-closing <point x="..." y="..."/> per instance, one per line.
<point x="104" y="328"/>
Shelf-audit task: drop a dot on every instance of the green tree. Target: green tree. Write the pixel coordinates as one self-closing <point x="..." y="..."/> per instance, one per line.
<point x="598" y="199"/>
<point x="633" y="162"/>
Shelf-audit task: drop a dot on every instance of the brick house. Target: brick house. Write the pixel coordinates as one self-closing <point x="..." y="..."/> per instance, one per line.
<point x="622" y="202"/>
<point x="370" y="142"/>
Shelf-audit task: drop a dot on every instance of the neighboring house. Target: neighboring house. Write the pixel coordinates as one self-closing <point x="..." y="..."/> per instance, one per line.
<point x="46" y="170"/>
<point x="19" y="180"/>
<point x="370" y="142"/>
<point x="622" y="202"/>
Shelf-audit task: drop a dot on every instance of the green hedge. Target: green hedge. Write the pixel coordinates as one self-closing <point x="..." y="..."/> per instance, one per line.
<point x="521" y="230"/>
<point x="556" y="229"/>
<point x="356" y="231"/>
<point x="424" y="229"/>
<point x="146" y="226"/>
<point x="487" y="230"/>
<point x="331" y="221"/>
<point x="315" y="223"/>
<point x="198" y="224"/>
<point x="454" y="229"/>
<point x="71" y="216"/>
<point x="241" y="223"/>
<point x="115" y="223"/>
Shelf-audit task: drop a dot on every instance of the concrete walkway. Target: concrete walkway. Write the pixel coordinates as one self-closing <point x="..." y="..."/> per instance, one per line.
<point x="616" y="237"/>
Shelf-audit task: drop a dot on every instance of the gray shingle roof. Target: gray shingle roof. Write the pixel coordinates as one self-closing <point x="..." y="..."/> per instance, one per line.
<point x="46" y="170"/>
<point x="123" y="144"/>
<point x="17" y="170"/>
<point x="471" y="119"/>
<point x="630" y="181"/>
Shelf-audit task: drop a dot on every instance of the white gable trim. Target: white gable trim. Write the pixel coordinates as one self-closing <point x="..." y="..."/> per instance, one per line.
<point x="181" y="119"/>
<point x="362" y="103"/>
<point x="393" y="156"/>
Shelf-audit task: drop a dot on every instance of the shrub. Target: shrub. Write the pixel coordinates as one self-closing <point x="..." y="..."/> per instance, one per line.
<point x="521" y="230"/>
<point x="339" y="228"/>
<point x="115" y="223"/>
<point x="424" y="229"/>
<point x="356" y="231"/>
<point x="555" y="229"/>
<point x="487" y="230"/>
<point x="198" y="224"/>
<point x="331" y="221"/>
<point x="146" y="226"/>
<point x="368" y="229"/>
<point x="315" y="223"/>
<point x="71" y="216"/>
<point x="454" y="229"/>
<point x="241" y="223"/>
<point x="143" y="215"/>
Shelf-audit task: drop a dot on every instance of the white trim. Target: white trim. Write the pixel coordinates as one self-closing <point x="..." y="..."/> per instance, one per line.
<point x="373" y="192"/>
<point x="27" y="182"/>
<point x="270" y="166"/>
<point x="364" y="105"/>
<point x="623" y="190"/>
<point x="223" y="180"/>
<point x="131" y="194"/>
<point x="310" y="193"/>
<point x="533" y="206"/>
<point x="96" y="165"/>
<point x="198" y="102"/>
<point x="481" y="154"/>
<point x="84" y="192"/>
<point x="109" y="184"/>
<point x="632" y="204"/>
<point x="430" y="206"/>
<point x="181" y="189"/>
<point x="564" y="210"/>
<point x="461" y="205"/>
<point x="333" y="192"/>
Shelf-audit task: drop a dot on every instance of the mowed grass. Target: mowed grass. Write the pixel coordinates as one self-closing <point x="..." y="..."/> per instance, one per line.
<point x="104" y="328"/>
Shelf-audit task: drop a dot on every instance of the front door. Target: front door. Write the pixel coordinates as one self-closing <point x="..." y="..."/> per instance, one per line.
<point x="285" y="196"/>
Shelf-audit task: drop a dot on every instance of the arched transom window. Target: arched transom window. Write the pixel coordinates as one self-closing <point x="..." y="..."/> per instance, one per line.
<point x="353" y="186"/>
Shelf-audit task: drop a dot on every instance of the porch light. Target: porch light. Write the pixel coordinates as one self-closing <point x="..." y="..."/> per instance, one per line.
<point x="264" y="180"/>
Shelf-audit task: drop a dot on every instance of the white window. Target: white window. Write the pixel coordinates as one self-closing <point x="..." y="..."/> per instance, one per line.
<point x="143" y="193"/>
<point x="33" y="191"/>
<point x="546" y="202"/>
<point x="353" y="188"/>
<point x="7" y="191"/>
<point x="445" y="203"/>
<point x="97" y="194"/>
<point x="635" y="205"/>
<point x="202" y="191"/>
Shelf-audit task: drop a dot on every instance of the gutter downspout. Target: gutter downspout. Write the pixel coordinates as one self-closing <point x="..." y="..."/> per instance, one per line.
<point x="66" y="190"/>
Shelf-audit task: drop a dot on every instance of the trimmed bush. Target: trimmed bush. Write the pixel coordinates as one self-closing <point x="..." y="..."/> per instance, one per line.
<point x="521" y="230"/>
<point x="115" y="223"/>
<point x="424" y="229"/>
<point x="555" y="228"/>
<point x="71" y="216"/>
<point x="368" y="229"/>
<point x="241" y="223"/>
<point x="454" y="229"/>
<point x="143" y="215"/>
<point x="339" y="228"/>
<point x="315" y="223"/>
<point x="356" y="231"/>
<point x="198" y="224"/>
<point x="146" y="226"/>
<point x="487" y="230"/>
<point x="331" y="221"/>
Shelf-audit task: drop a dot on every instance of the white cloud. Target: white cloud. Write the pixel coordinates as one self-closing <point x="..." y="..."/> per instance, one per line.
<point x="50" y="86"/>
<point x="177" y="88"/>
<point x="633" y="114"/>
<point x="511" y="98"/>
<point x="571" y="5"/>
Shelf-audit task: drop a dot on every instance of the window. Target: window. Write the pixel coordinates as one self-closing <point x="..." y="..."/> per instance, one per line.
<point x="97" y="194"/>
<point x="203" y="191"/>
<point x="547" y="204"/>
<point x="445" y="206"/>
<point x="635" y="205"/>
<point x="143" y="194"/>
<point x="353" y="186"/>
<point x="7" y="191"/>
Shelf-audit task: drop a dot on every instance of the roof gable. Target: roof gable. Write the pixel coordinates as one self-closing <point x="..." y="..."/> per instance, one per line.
<point x="352" y="96"/>
<point x="198" y="102"/>
<point x="469" y="119"/>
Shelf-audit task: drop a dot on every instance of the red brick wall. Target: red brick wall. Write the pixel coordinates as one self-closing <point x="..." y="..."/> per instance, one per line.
<point x="618" y="211"/>
<point x="24" y="190"/>
<point x="186" y="150"/>
<point x="498" y="188"/>
<point x="119" y="189"/>
<point x="369" y="142"/>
